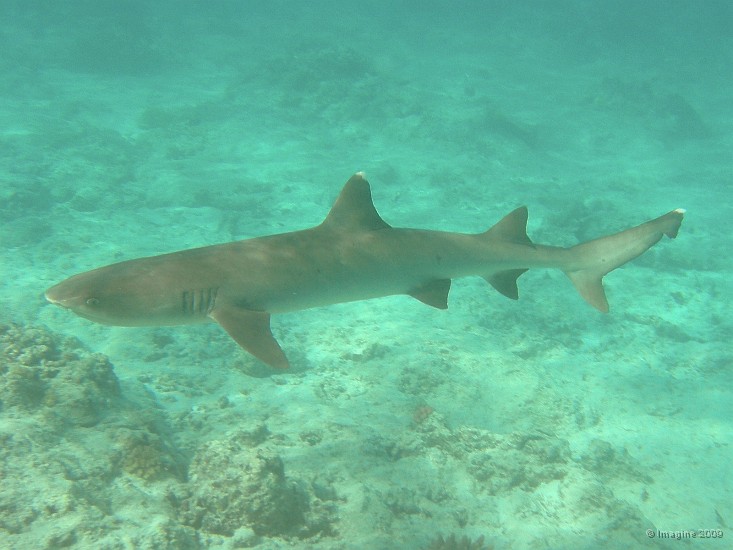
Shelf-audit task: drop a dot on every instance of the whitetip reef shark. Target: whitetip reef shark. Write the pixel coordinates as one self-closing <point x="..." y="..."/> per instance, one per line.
<point x="352" y="255"/>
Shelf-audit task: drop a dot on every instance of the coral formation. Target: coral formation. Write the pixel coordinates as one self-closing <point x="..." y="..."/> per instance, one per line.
<point x="240" y="482"/>
<point x="603" y="460"/>
<point x="61" y="480"/>
<point x="497" y="462"/>
<point x="148" y="456"/>
<point x="43" y="373"/>
<point x="65" y="485"/>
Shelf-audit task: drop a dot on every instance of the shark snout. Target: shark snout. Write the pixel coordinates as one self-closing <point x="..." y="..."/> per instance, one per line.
<point x="67" y="296"/>
<point x="60" y="295"/>
<point x="51" y="296"/>
<point x="55" y="301"/>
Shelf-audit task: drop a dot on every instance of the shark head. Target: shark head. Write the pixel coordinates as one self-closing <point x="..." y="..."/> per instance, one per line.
<point x="88" y="296"/>
<point x="120" y="294"/>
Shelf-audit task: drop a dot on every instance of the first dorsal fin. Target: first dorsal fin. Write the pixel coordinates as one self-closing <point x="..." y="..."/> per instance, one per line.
<point x="354" y="209"/>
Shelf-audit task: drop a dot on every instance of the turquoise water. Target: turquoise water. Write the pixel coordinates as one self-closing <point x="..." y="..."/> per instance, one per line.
<point x="131" y="129"/>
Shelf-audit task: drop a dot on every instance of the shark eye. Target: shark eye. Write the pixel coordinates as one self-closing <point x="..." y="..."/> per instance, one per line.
<point x="92" y="301"/>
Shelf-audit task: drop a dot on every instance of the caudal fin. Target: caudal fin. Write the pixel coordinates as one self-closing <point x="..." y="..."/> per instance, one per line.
<point x="600" y="256"/>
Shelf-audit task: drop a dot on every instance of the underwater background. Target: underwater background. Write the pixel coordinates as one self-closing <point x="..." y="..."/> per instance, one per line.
<point x="130" y="129"/>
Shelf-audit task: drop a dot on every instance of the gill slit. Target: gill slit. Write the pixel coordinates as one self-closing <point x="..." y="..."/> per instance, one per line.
<point x="199" y="301"/>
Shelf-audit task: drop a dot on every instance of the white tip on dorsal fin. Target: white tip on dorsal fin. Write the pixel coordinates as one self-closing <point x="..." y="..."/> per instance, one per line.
<point x="354" y="209"/>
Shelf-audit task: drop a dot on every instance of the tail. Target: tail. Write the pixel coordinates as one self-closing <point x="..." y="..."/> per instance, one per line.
<point x="600" y="256"/>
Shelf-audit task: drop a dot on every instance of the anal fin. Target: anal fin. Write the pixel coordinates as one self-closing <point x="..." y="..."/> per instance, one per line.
<point x="251" y="330"/>
<point x="433" y="293"/>
<point x="590" y="287"/>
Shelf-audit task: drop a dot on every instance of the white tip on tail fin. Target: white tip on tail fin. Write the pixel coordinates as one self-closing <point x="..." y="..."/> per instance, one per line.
<point x="594" y="259"/>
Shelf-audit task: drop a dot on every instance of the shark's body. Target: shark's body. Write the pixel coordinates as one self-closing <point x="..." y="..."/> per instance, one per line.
<point x="352" y="255"/>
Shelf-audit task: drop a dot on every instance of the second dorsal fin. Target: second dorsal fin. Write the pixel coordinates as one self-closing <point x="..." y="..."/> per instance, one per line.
<point x="511" y="228"/>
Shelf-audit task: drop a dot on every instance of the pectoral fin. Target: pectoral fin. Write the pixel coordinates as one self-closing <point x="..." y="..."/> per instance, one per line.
<point x="251" y="330"/>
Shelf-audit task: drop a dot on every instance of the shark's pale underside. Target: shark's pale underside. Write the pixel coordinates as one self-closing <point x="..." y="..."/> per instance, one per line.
<point x="352" y="255"/>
